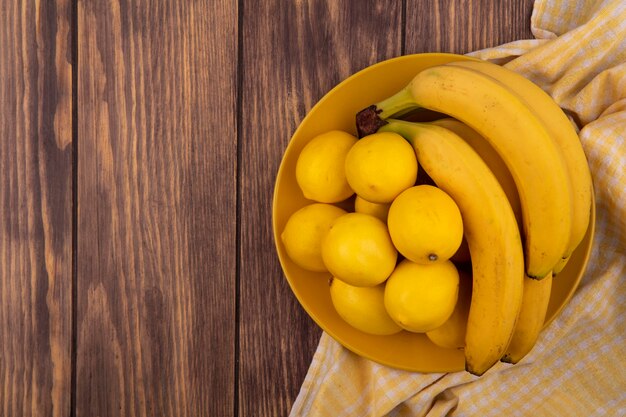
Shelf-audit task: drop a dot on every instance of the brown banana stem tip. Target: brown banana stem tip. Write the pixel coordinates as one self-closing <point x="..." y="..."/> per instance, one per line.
<point x="368" y="122"/>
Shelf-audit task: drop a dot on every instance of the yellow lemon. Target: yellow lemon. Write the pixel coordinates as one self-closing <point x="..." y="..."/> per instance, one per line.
<point x="451" y="334"/>
<point x="358" y="250"/>
<point x="304" y="231"/>
<point x="425" y="224"/>
<point x="381" y="166"/>
<point x="363" y="307"/>
<point x="378" y="210"/>
<point x="320" y="168"/>
<point x="421" y="298"/>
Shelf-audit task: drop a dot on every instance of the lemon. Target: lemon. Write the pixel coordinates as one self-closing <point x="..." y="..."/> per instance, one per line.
<point x="358" y="250"/>
<point x="419" y="297"/>
<point x="381" y="166"/>
<point x="304" y="231"/>
<point x="378" y="210"/>
<point x="363" y="307"/>
<point x="425" y="224"/>
<point x="451" y="334"/>
<point x="320" y="168"/>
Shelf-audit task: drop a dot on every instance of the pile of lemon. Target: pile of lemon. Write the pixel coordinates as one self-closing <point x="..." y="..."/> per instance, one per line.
<point x="390" y="258"/>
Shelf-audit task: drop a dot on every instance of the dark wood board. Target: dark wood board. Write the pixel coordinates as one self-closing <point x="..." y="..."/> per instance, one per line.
<point x="463" y="26"/>
<point x="35" y="208"/>
<point x="156" y="208"/>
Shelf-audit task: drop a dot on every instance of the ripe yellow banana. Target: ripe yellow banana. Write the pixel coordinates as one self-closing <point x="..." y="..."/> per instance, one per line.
<point x="492" y="235"/>
<point x="536" y="294"/>
<point x="491" y="158"/>
<point x="522" y="141"/>
<point x="561" y="129"/>
<point x="531" y="318"/>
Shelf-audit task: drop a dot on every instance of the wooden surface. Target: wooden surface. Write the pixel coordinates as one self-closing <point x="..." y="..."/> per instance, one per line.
<point x="139" y="143"/>
<point x="36" y="153"/>
<point x="156" y="248"/>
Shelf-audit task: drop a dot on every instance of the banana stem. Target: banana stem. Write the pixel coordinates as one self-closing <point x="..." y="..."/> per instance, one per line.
<point x="401" y="102"/>
<point x="370" y="119"/>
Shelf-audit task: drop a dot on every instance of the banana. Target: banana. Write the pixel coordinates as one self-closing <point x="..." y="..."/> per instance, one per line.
<point x="491" y="232"/>
<point x="531" y="318"/>
<point x="562" y="130"/>
<point x="491" y="158"/>
<point x="522" y="141"/>
<point x="536" y="294"/>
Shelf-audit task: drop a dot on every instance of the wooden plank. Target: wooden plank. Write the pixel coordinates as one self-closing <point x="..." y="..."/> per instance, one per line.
<point x="35" y="208"/>
<point x="462" y="26"/>
<point x="156" y="208"/>
<point x="293" y="53"/>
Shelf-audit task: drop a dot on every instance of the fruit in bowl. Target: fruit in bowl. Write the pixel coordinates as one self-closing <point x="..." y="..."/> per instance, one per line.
<point x="381" y="166"/>
<point x="425" y="224"/>
<point x="422" y="297"/>
<point x="498" y="195"/>
<point x="320" y="169"/>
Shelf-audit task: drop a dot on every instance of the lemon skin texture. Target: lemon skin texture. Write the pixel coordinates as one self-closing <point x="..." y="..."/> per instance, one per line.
<point x="320" y="168"/>
<point x="363" y="308"/>
<point x="421" y="298"/>
<point x="358" y="250"/>
<point x="451" y="334"/>
<point x="425" y="224"/>
<point x="378" y="210"/>
<point x="381" y="166"/>
<point x="304" y="231"/>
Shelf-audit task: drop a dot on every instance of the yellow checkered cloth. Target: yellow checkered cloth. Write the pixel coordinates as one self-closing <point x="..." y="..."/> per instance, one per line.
<point x="578" y="366"/>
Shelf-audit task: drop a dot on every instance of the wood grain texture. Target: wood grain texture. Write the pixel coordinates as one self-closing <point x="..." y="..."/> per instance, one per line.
<point x="35" y="208"/>
<point x="293" y="53"/>
<point x="462" y="26"/>
<point x="156" y="208"/>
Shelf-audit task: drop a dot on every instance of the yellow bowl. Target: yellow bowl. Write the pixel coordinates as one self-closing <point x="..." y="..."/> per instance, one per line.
<point x="336" y="110"/>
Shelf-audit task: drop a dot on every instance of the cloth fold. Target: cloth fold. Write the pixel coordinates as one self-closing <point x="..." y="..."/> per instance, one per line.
<point x="578" y="366"/>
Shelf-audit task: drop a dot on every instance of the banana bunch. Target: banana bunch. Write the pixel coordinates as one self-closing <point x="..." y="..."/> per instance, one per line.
<point x="522" y="227"/>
